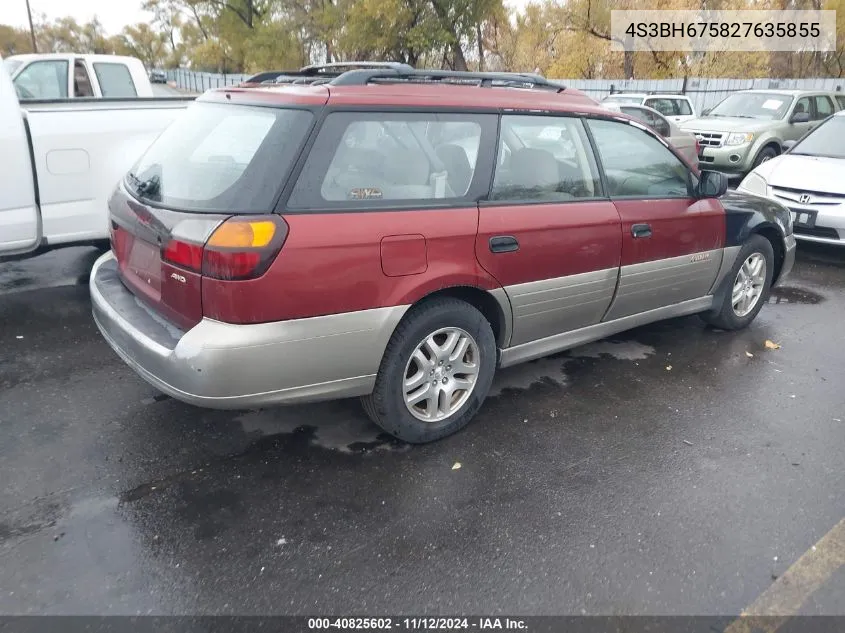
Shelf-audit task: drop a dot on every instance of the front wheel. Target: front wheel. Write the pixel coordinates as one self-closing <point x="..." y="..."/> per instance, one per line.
<point x="767" y="153"/>
<point x="750" y="284"/>
<point x="436" y="371"/>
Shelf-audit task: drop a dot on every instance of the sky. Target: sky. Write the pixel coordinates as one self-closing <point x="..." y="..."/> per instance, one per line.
<point x="113" y="14"/>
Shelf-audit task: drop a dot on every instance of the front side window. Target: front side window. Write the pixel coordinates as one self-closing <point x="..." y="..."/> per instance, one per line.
<point x="221" y="158"/>
<point x="651" y="119"/>
<point x="543" y="158"/>
<point x="43" y="80"/>
<point x="803" y="105"/>
<point x="824" y="107"/>
<point x="753" y="105"/>
<point x="115" y="80"/>
<point x="637" y="164"/>
<point x="361" y="159"/>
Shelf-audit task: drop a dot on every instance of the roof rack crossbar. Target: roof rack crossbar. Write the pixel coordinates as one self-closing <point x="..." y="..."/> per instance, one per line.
<point x="484" y="79"/>
<point x="316" y="68"/>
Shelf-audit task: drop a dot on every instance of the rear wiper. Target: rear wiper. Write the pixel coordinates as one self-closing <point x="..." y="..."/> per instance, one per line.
<point x="148" y="187"/>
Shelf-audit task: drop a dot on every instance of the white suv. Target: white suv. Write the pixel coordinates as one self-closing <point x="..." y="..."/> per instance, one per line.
<point x="675" y="107"/>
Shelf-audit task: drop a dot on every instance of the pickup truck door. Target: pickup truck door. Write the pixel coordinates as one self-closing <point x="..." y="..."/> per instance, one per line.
<point x="20" y="221"/>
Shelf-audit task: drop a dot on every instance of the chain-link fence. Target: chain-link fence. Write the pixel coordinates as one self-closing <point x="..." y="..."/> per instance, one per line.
<point x="704" y="92"/>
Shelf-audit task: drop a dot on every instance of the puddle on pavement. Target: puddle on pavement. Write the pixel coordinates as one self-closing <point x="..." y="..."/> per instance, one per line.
<point x="620" y="350"/>
<point x="344" y="433"/>
<point x="521" y="377"/>
<point x="791" y="294"/>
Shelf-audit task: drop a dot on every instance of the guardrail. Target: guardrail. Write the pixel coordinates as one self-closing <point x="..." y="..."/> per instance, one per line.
<point x="704" y="92"/>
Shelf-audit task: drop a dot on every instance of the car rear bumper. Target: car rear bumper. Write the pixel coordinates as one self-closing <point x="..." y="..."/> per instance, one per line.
<point x="229" y="366"/>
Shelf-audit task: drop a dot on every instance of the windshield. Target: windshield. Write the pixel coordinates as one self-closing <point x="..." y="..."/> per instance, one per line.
<point x="12" y="65"/>
<point x="827" y="140"/>
<point x="623" y="99"/>
<point x="221" y="158"/>
<point x="753" y="105"/>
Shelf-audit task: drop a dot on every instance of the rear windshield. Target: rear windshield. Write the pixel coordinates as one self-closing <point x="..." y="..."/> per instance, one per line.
<point x="218" y="157"/>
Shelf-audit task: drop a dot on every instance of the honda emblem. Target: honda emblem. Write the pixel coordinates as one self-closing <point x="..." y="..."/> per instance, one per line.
<point x="804" y="198"/>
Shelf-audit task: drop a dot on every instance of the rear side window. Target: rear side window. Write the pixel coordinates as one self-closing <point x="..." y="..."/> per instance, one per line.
<point x="684" y="108"/>
<point x="365" y="159"/>
<point x="841" y="102"/>
<point x="228" y="158"/>
<point x="668" y="106"/>
<point x="544" y="158"/>
<point x="115" y="80"/>
<point x="637" y="164"/>
<point x="824" y="107"/>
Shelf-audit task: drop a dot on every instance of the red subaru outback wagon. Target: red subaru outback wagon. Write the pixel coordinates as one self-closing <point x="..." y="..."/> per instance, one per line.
<point x="398" y="234"/>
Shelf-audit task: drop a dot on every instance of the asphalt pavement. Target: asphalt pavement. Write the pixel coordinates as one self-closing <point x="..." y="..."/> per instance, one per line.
<point x="674" y="469"/>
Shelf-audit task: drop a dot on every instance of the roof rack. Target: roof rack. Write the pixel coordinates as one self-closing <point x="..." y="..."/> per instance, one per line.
<point x="314" y="73"/>
<point x="330" y="66"/>
<point x="665" y="92"/>
<point x="483" y="79"/>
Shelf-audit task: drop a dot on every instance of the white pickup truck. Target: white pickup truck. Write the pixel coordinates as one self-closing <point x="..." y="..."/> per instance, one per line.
<point x="61" y="160"/>
<point x="69" y="76"/>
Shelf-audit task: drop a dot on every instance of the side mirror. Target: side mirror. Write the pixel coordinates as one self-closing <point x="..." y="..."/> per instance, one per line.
<point x="800" y="117"/>
<point x="711" y="184"/>
<point x="788" y="145"/>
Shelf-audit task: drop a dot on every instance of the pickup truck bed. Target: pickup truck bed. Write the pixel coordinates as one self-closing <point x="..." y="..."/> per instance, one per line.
<point x="79" y="149"/>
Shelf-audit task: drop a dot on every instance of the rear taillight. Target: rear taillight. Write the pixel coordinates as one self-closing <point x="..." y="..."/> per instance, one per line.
<point x="239" y="248"/>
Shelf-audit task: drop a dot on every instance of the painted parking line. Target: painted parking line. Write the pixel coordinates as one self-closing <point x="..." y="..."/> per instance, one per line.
<point x="787" y="594"/>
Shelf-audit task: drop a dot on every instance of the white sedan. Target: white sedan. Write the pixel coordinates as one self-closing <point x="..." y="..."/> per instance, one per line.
<point x="809" y="179"/>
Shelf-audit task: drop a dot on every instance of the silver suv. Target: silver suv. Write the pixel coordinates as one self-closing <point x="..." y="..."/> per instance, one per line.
<point x="751" y="126"/>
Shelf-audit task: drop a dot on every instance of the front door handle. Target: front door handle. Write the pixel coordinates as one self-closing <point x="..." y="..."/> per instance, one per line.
<point x="503" y="244"/>
<point x="641" y="230"/>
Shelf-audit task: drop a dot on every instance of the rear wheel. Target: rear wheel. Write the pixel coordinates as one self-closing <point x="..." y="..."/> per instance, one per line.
<point x="750" y="281"/>
<point x="436" y="372"/>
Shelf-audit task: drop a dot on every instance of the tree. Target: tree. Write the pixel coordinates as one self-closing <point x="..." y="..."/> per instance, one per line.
<point x="143" y="42"/>
<point x="14" y="41"/>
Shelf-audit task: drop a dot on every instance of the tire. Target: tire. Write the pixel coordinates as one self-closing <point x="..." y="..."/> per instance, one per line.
<point x="437" y="320"/>
<point x="727" y="316"/>
<point x="767" y="153"/>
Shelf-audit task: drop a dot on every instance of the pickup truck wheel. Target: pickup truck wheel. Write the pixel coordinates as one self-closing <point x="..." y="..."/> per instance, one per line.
<point x="435" y="373"/>
<point x="767" y="153"/>
<point x="749" y="284"/>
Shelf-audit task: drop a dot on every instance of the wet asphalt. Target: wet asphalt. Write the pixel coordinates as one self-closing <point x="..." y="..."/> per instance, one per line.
<point x="670" y="470"/>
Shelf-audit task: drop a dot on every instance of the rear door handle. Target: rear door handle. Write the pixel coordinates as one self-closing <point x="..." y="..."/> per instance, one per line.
<point x="503" y="244"/>
<point x="641" y="230"/>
